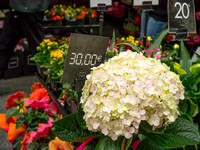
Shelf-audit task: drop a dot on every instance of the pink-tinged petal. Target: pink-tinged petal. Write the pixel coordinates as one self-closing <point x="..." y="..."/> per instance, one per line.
<point x="84" y="143"/>
<point x="43" y="129"/>
<point x="52" y="109"/>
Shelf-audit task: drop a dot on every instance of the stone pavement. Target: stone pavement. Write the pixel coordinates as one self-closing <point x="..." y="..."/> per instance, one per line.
<point x="9" y="87"/>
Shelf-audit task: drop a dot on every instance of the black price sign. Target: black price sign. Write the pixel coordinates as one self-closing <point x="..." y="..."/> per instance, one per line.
<point x="84" y="52"/>
<point x="181" y="14"/>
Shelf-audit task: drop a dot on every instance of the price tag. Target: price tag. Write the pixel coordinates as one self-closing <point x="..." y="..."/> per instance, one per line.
<point x="84" y="52"/>
<point x="94" y="3"/>
<point x="181" y="14"/>
<point x="140" y="2"/>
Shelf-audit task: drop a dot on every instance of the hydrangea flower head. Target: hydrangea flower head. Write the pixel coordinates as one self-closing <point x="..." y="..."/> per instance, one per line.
<point x="127" y="89"/>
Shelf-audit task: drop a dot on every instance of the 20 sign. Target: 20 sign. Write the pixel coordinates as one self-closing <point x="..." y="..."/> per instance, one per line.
<point x="181" y="14"/>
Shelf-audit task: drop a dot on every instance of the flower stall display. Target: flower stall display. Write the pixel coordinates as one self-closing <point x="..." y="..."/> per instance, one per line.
<point x="142" y="97"/>
<point x="33" y="128"/>
<point x="70" y="13"/>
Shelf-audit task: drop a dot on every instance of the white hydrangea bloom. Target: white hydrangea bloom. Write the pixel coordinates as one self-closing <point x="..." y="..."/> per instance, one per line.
<point x="127" y="89"/>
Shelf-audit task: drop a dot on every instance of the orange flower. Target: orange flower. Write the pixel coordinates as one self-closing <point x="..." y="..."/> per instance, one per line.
<point x="36" y="86"/>
<point x="82" y="15"/>
<point x="10" y="124"/>
<point x="11" y="102"/>
<point x="38" y="94"/>
<point x="57" y="144"/>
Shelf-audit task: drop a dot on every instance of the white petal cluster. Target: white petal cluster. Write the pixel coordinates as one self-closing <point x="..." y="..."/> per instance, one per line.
<point x="127" y="89"/>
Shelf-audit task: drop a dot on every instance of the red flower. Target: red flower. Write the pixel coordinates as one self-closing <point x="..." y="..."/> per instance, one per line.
<point x="51" y="40"/>
<point x="169" y="38"/>
<point x="36" y="86"/>
<point x="39" y="94"/>
<point x="127" y="47"/>
<point x="61" y="42"/>
<point x="11" y="102"/>
<point x="148" y="44"/>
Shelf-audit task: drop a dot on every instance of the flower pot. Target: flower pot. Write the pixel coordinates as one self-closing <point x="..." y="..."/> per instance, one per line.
<point x="70" y="21"/>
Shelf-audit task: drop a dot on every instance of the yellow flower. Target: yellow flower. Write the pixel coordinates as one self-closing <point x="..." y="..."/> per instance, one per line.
<point x="58" y="144"/>
<point x="122" y="39"/>
<point x="136" y="42"/>
<point x="149" y="38"/>
<point x="176" y="46"/>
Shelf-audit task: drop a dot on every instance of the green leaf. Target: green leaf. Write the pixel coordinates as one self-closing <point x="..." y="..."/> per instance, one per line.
<point x="147" y="145"/>
<point x="158" y="40"/>
<point x="185" y="62"/>
<point x="19" y="122"/>
<point x="106" y="143"/>
<point x="193" y="108"/>
<point x="178" y="134"/>
<point x="12" y="112"/>
<point x="80" y="119"/>
<point x="45" y="148"/>
<point x="90" y="146"/>
<point x="134" y="47"/>
<point x="112" y="43"/>
<point x="33" y="146"/>
<point x="68" y="129"/>
<point x="17" y="143"/>
<point x="128" y="143"/>
<point x="189" y="94"/>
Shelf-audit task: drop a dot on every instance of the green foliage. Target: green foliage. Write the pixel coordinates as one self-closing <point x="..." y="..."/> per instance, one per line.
<point x="17" y="143"/>
<point x="33" y="146"/>
<point x="80" y="119"/>
<point x="178" y="134"/>
<point x="158" y="40"/>
<point x="106" y="143"/>
<point x="185" y="62"/>
<point x="68" y="129"/>
<point x="19" y="122"/>
<point x="12" y="112"/>
<point x="112" y="43"/>
<point x="134" y="47"/>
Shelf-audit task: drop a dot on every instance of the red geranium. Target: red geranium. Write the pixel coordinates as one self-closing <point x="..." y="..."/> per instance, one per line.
<point x="36" y="86"/>
<point x="12" y="99"/>
<point x="169" y="38"/>
<point x="39" y="94"/>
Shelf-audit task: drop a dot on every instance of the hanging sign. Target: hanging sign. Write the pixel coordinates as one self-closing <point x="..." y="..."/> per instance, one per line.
<point x="84" y="52"/>
<point x="181" y="14"/>
<point x="140" y="2"/>
<point x="94" y="3"/>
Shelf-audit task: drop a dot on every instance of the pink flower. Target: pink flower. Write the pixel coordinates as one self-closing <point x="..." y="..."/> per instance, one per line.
<point x="149" y="53"/>
<point x="197" y="39"/>
<point x="43" y="129"/>
<point x="28" y="138"/>
<point x="38" y="104"/>
<point x="52" y="108"/>
<point x="55" y="18"/>
<point x="198" y="15"/>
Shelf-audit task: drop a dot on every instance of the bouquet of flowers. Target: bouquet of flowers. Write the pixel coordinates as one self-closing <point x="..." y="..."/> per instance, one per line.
<point x="55" y="13"/>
